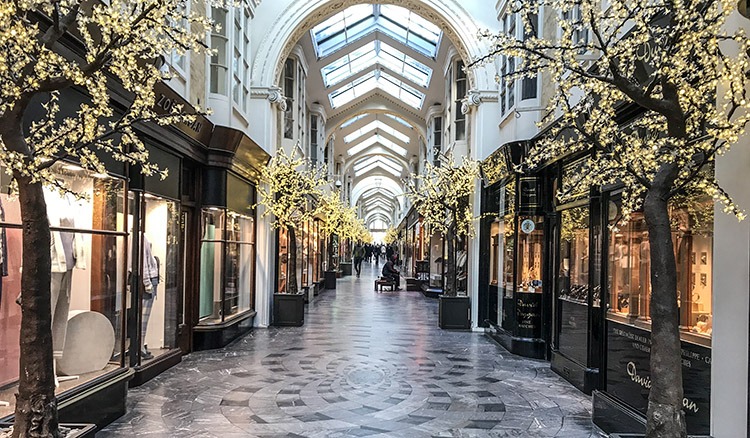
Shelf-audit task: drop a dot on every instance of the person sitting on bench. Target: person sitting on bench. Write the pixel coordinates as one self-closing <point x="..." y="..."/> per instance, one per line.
<point x="391" y="273"/>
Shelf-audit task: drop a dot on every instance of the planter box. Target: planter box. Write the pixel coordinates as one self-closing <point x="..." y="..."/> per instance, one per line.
<point x="346" y="268"/>
<point x="288" y="310"/>
<point x="76" y="430"/>
<point x="330" y="280"/>
<point x="454" y="313"/>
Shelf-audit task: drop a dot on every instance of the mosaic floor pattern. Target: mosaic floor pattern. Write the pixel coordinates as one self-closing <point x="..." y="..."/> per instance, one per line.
<point x="364" y="364"/>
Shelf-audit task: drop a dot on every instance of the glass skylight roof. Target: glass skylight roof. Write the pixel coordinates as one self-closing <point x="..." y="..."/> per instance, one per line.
<point x="373" y="166"/>
<point x="377" y="79"/>
<point x="353" y="120"/>
<point x="377" y="139"/>
<point x="357" y="21"/>
<point x="377" y="124"/>
<point x="389" y="162"/>
<point x="376" y="53"/>
<point x="400" y="120"/>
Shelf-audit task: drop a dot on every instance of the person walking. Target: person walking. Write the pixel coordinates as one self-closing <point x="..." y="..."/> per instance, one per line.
<point x="359" y="254"/>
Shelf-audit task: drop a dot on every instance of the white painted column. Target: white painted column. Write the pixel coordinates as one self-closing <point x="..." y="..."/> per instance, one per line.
<point x="264" y="107"/>
<point x="731" y="298"/>
<point x="731" y="291"/>
<point x="484" y="136"/>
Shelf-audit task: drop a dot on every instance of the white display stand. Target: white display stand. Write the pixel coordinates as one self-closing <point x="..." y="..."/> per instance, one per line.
<point x="88" y="344"/>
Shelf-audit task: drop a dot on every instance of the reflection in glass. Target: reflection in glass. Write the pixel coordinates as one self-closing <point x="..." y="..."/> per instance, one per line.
<point x="630" y="264"/>
<point x="159" y="270"/>
<point x="92" y="259"/>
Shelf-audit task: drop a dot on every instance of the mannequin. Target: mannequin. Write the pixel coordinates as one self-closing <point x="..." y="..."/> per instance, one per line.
<point x="66" y="253"/>
<point x="150" y="285"/>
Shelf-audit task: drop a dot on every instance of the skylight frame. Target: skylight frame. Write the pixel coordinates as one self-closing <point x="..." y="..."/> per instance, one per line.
<point x="400" y="120"/>
<point x="352" y="24"/>
<point x="380" y="126"/>
<point x="376" y="53"/>
<point x="377" y="139"/>
<point x="381" y="80"/>
<point x="354" y="120"/>
<point x="364" y="162"/>
<point x="374" y="166"/>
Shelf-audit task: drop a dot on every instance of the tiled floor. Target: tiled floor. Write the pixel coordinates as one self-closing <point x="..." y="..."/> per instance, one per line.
<point x="364" y="364"/>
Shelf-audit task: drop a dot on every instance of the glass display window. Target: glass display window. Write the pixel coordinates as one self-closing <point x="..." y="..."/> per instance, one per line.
<point x="530" y="251"/>
<point x="436" y="255"/>
<point x="315" y="251"/>
<point x="573" y="272"/>
<point x="159" y="285"/>
<point x="630" y="265"/>
<point x="88" y="250"/>
<point x="303" y="254"/>
<point x="283" y="268"/>
<point x="227" y="265"/>
<point x="573" y="284"/>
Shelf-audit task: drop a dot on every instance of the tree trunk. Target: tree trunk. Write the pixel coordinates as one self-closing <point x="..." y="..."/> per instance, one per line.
<point x="450" y="272"/>
<point x="292" y="276"/>
<point x="36" y="404"/>
<point x="665" y="418"/>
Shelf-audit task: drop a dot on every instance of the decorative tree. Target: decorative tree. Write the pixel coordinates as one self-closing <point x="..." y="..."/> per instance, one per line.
<point x="390" y="235"/>
<point x="289" y="188"/>
<point x="686" y="71"/>
<point x="115" y="41"/>
<point x="442" y="199"/>
<point x="331" y="209"/>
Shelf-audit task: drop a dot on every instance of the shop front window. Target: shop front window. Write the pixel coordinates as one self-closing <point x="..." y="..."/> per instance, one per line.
<point x="240" y="263"/>
<point x="573" y="284"/>
<point x="304" y="255"/>
<point x="227" y="264"/>
<point x="160" y="265"/>
<point x="573" y="271"/>
<point x="530" y="249"/>
<point x="283" y="270"/>
<point x="88" y="250"/>
<point x="630" y="265"/>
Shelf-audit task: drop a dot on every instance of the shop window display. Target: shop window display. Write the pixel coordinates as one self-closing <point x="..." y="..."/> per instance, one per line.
<point x="530" y="250"/>
<point x="502" y="253"/>
<point x="630" y="265"/>
<point x="283" y="259"/>
<point x="227" y="264"/>
<point x="574" y="255"/>
<point x="160" y="288"/>
<point x="573" y="286"/>
<point x="88" y="279"/>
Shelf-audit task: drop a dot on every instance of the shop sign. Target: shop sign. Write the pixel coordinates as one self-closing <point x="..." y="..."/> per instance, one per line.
<point x="629" y="376"/>
<point x="529" y="314"/>
<point x="529" y="193"/>
<point x="166" y="99"/>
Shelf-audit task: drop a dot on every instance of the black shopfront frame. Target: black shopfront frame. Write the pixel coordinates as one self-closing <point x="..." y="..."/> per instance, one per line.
<point x="521" y="322"/>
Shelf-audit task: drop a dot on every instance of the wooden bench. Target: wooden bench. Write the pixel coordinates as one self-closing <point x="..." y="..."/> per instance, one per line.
<point x="384" y="282"/>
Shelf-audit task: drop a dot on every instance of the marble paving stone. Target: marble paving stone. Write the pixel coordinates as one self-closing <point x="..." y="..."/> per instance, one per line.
<point x="364" y="364"/>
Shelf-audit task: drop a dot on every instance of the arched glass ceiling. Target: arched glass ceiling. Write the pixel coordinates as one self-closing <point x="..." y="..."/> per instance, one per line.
<point x="376" y="53"/>
<point x="390" y="162"/>
<point x="377" y="124"/>
<point x="377" y="165"/>
<point x="380" y="80"/>
<point x="354" y="120"/>
<point x="358" y="21"/>
<point x="400" y="120"/>
<point x="377" y="139"/>
<point x="378" y="182"/>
